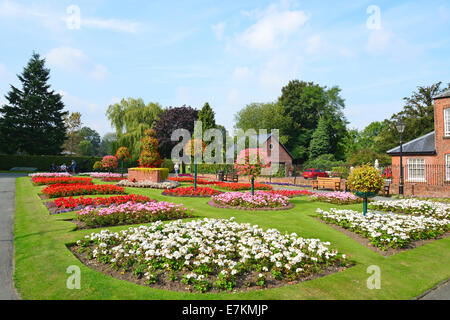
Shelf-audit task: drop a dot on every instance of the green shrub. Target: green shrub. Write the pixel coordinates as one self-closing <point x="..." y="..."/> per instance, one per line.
<point x="98" y="166"/>
<point x="213" y="168"/>
<point x="168" y="164"/>
<point x="43" y="163"/>
<point x="323" y="162"/>
<point x="342" y="171"/>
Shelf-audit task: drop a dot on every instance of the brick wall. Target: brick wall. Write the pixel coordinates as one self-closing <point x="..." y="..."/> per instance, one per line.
<point x="442" y="142"/>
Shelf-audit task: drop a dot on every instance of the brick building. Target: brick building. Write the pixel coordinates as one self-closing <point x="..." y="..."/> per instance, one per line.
<point x="426" y="160"/>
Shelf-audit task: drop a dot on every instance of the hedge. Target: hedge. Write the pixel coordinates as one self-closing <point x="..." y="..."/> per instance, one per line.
<point x="43" y="163"/>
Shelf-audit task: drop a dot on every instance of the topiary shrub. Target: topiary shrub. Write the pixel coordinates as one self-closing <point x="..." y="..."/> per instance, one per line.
<point x="98" y="166"/>
<point x="365" y="182"/>
<point x="149" y="157"/>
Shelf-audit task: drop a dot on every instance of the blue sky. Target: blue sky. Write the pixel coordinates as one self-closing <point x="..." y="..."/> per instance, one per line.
<point x="229" y="53"/>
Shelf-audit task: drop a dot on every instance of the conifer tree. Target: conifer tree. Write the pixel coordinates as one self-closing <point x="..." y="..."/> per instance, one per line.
<point x="207" y="117"/>
<point x="320" y="141"/>
<point x="33" y="119"/>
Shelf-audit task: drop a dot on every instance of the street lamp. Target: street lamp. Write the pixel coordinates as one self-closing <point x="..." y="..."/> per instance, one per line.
<point x="401" y="128"/>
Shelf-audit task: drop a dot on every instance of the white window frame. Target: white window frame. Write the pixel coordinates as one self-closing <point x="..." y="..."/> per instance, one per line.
<point x="447" y="167"/>
<point x="447" y="122"/>
<point x="416" y="170"/>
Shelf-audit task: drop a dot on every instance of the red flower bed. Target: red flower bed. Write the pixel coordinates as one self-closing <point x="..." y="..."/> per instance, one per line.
<point x="67" y="190"/>
<point x="191" y="192"/>
<point x="39" y="181"/>
<point x="292" y="193"/>
<point x="242" y="186"/>
<point x="191" y="180"/>
<point x="71" y="203"/>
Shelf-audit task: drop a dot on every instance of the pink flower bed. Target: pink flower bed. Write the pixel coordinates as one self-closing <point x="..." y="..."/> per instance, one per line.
<point x="49" y="175"/>
<point x="261" y="199"/>
<point x="132" y="213"/>
<point x="337" y="197"/>
<point x="104" y="175"/>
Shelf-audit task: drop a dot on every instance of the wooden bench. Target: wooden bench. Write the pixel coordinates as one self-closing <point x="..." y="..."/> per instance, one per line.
<point x="231" y="177"/>
<point x="327" y="183"/>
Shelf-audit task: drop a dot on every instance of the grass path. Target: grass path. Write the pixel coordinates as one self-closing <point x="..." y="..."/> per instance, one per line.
<point x="41" y="256"/>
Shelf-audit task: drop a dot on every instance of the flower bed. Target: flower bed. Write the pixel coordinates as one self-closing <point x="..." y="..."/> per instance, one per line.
<point x="388" y="230"/>
<point x="292" y="193"/>
<point x="242" y="186"/>
<point x="261" y="199"/>
<point x="61" y="190"/>
<point x="337" y="197"/>
<point x="73" y="204"/>
<point x="209" y="254"/>
<point x="104" y="175"/>
<point x="40" y="181"/>
<point x="191" y="192"/>
<point x="131" y="213"/>
<point x="148" y="184"/>
<point x="49" y="174"/>
<point x="415" y="207"/>
<point x="191" y="180"/>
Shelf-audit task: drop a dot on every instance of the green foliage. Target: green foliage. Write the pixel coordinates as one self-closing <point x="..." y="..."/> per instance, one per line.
<point x="323" y="162"/>
<point x="73" y="124"/>
<point x="131" y="118"/>
<point x="342" y="171"/>
<point x="85" y="148"/>
<point x="207" y="117"/>
<point x="92" y="136"/>
<point x="32" y="121"/>
<point x="365" y="156"/>
<point x="168" y="164"/>
<point x="365" y="179"/>
<point x="214" y="168"/>
<point x="43" y="163"/>
<point x="320" y="141"/>
<point x="98" y="166"/>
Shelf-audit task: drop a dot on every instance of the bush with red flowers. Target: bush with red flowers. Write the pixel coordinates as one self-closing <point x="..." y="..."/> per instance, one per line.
<point x="150" y="157"/>
<point x="79" y="203"/>
<point x="67" y="190"/>
<point x="191" y="192"/>
<point x="39" y="181"/>
<point x="242" y="186"/>
<point x="109" y="162"/>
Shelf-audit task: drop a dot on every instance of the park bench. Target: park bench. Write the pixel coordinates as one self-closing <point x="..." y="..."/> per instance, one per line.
<point x="231" y="177"/>
<point x="327" y="183"/>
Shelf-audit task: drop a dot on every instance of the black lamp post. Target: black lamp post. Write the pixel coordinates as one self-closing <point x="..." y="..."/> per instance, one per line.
<point x="401" y="128"/>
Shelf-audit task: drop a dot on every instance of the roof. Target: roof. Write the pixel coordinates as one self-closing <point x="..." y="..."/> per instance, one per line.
<point x="261" y="139"/>
<point x="421" y="146"/>
<point x="445" y="94"/>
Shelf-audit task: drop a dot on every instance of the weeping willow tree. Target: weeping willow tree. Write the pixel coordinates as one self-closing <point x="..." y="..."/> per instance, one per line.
<point x="131" y="118"/>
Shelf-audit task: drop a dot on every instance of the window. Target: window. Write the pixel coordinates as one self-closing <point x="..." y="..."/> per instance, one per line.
<point x="447" y="122"/>
<point x="416" y="170"/>
<point x="447" y="167"/>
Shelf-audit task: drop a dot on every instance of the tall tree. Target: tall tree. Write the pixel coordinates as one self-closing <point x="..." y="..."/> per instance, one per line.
<point x="207" y="116"/>
<point x="131" y="118"/>
<point x="109" y="144"/>
<point x="320" y="141"/>
<point x="92" y="136"/>
<point x="73" y="125"/>
<point x="417" y="114"/>
<point x="33" y="119"/>
<point x="85" y="148"/>
<point x="170" y="120"/>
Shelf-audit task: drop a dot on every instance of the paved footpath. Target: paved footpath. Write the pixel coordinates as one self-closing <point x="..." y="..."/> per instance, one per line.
<point x="7" y="208"/>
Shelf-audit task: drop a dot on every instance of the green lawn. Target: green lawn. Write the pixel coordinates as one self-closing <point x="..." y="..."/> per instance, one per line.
<point x="41" y="256"/>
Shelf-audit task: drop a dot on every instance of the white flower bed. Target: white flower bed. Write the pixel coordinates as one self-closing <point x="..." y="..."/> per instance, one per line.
<point x="433" y="209"/>
<point x="388" y="230"/>
<point x="102" y="175"/>
<point x="209" y="252"/>
<point x="149" y="184"/>
<point x="49" y="175"/>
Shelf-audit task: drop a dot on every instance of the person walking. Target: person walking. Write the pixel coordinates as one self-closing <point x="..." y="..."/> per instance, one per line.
<point x="177" y="168"/>
<point x="73" y="165"/>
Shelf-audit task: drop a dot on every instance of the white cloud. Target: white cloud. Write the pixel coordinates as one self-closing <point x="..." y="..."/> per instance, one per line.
<point x="242" y="73"/>
<point x="56" y="21"/>
<point x="273" y="28"/>
<point x="75" y="61"/>
<point x="219" y="30"/>
<point x="313" y="44"/>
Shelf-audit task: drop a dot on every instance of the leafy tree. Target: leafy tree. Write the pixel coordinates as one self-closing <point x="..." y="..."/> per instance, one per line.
<point x="92" y="136"/>
<point x="85" y="148"/>
<point x="417" y="115"/>
<point x="108" y="144"/>
<point x="365" y="156"/>
<point x="73" y="124"/>
<point x="320" y="141"/>
<point x="263" y="116"/>
<point x="207" y="117"/>
<point x="304" y="104"/>
<point x="170" y="120"/>
<point x="131" y="118"/>
<point x="33" y="119"/>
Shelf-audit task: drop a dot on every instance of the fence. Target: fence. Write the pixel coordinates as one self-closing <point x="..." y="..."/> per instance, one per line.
<point x="420" y="173"/>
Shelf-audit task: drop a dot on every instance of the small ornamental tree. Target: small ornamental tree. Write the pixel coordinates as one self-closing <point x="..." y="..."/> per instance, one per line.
<point x="123" y="154"/>
<point x="365" y="181"/>
<point x="98" y="166"/>
<point x="250" y="162"/>
<point x="150" y="157"/>
<point x="109" y="162"/>
<point x="195" y="148"/>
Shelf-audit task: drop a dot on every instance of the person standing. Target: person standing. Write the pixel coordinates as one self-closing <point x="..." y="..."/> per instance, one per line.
<point x="177" y="168"/>
<point x="73" y="165"/>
